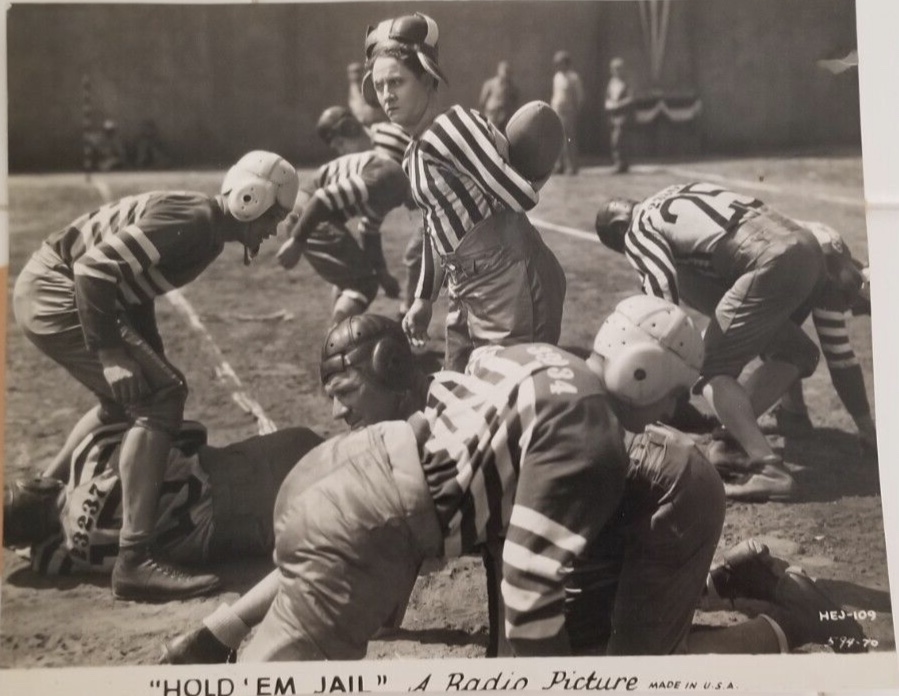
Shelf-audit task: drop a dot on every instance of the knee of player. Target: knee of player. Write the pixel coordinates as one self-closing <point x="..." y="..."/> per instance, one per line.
<point x="162" y="410"/>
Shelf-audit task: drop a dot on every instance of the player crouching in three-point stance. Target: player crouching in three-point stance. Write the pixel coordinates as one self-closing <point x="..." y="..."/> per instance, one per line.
<point x="525" y="456"/>
<point x="86" y="299"/>
<point x="756" y="274"/>
<point x="362" y="182"/>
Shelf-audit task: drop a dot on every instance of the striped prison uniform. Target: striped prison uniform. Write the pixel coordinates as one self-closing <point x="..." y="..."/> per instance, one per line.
<point x="754" y="272"/>
<point x="526" y="450"/>
<point x="458" y="180"/>
<point x="389" y="140"/>
<point x="215" y="502"/>
<point x="125" y="254"/>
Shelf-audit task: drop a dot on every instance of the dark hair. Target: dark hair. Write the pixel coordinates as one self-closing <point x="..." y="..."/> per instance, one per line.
<point x="404" y="53"/>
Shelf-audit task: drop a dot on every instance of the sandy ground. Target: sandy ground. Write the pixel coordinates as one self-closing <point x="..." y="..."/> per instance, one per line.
<point x="268" y="323"/>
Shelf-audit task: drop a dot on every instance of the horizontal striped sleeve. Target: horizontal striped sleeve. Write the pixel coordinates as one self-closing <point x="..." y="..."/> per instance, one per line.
<point x="833" y="334"/>
<point x="347" y="193"/>
<point x="651" y="256"/>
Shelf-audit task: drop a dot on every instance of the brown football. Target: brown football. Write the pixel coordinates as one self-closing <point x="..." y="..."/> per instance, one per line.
<point x="535" y="137"/>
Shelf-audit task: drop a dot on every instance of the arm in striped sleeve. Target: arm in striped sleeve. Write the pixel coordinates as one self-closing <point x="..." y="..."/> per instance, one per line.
<point x="569" y="485"/>
<point x="651" y="256"/>
<point x="125" y="263"/>
<point x="465" y="141"/>
<point x="432" y="274"/>
<point x="845" y="371"/>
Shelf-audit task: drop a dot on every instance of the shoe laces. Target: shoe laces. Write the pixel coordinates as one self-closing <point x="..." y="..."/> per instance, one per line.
<point x="171" y="571"/>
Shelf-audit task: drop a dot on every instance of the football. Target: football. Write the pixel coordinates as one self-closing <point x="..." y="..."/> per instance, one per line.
<point x="535" y="137"/>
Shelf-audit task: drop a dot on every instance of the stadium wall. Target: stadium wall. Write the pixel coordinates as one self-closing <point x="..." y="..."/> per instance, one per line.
<point x="221" y="79"/>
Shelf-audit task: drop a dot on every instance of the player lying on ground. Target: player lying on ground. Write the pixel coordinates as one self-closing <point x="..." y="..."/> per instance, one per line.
<point x="361" y="182"/>
<point x="86" y="300"/>
<point x="504" y="284"/>
<point x="525" y="456"/>
<point x="215" y="502"/>
<point x="756" y="274"/>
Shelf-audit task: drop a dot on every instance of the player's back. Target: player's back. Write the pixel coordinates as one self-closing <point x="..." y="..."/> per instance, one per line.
<point x="523" y="405"/>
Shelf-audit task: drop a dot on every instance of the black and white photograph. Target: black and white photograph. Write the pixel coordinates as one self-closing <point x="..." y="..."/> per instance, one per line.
<point x="373" y="346"/>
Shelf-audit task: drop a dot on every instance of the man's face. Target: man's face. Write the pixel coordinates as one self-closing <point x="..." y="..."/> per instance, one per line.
<point x="358" y="401"/>
<point x="263" y="227"/>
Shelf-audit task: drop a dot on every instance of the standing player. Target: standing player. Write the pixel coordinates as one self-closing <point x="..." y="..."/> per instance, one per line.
<point x="86" y="300"/>
<point x="756" y="274"/>
<point x="505" y="286"/>
<point x="499" y="458"/>
<point x="363" y="183"/>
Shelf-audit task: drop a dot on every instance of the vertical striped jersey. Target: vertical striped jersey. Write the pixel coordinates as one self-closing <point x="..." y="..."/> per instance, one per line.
<point x="91" y="516"/>
<point x="458" y="179"/>
<point x="524" y="449"/>
<point x="362" y="184"/>
<point x="129" y="252"/>
<point x="678" y="227"/>
<point x="389" y="140"/>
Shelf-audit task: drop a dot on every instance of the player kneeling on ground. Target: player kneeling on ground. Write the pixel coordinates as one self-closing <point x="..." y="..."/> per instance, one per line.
<point x="525" y="456"/>
<point x="86" y="300"/>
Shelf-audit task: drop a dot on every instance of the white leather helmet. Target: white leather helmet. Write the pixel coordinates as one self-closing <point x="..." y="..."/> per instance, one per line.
<point x="258" y="181"/>
<point x="651" y="348"/>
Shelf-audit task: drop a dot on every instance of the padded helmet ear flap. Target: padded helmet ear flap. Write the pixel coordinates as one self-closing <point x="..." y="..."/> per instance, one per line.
<point x="650" y="347"/>
<point x="258" y="181"/>
<point x="391" y="363"/>
<point x="642" y="374"/>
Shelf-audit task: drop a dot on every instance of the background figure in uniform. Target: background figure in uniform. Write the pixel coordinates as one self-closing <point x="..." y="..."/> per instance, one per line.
<point x="499" y="96"/>
<point x="86" y="300"/>
<point x="567" y="100"/>
<point x="360" y="183"/>
<point x="757" y="275"/>
<point x="149" y="152"/>
<point x="505" y="286"/>
<point x="107" y="150"/>
<point x="216" y="502"/>
<point x="366" y="114"/>
<point x="618" y="105"/>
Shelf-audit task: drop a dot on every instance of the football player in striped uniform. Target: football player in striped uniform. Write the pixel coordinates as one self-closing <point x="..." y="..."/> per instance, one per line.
<point x="829" y="316"/>
<point x="527" y="458"/>
<point x="215" y="502"/>
<point x="505" y="286"/>
<point x="86" y="300"/>
<point x="364" y="183"/>
<point x="757" y="275"/>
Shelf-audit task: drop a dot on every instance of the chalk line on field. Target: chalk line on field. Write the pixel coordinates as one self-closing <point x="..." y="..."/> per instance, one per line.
<point x="695" y="175"/>
<point x="223" y="369"/>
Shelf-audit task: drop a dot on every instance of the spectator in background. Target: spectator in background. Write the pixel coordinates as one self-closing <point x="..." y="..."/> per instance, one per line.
<point x="499" y="96"/>
<point x="567" y="99"/>
<point x="107" y="151"/>
<point x="149" y="152"/>
<point x="618" y="105"/>
<point x="364" y="112"/>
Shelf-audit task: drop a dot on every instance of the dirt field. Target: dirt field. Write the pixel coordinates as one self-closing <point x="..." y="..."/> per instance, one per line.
<point x="268" y="324"/>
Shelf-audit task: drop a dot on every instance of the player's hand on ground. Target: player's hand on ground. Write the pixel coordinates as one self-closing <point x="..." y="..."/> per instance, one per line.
<point x="416" y="322"/>
<point x="123" y="374"/>
<point x="290" y="253"/>
<point x="389" y="284"/>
